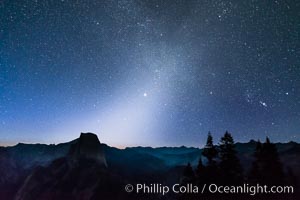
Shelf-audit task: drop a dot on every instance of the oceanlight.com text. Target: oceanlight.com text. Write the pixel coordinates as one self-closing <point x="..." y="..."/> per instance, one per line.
<point x="157" y="188"/>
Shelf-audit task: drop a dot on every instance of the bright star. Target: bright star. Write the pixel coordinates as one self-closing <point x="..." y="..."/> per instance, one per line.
<point x="263" y="104"/>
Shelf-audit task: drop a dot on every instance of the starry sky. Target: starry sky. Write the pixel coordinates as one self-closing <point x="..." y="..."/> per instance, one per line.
<point x="149" y="73"/>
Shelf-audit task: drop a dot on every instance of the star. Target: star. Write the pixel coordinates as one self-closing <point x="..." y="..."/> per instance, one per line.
<point x="263" y="104"/>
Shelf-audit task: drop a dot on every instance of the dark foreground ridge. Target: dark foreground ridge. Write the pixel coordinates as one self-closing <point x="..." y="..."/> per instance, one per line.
<point x="85" y="169"/>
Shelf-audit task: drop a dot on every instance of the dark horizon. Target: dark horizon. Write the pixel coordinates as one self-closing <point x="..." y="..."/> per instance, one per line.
<point x="179" y="146"/>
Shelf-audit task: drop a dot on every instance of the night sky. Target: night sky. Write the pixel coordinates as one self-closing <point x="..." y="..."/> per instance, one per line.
<point x="149" y="73"/>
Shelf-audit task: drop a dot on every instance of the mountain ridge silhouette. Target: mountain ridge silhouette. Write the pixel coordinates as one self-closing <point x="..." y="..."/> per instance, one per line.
<point x="30" y="168"/>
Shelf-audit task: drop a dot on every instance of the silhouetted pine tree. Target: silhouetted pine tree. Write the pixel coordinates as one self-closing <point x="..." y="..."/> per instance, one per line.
<point x="188" y="171"/>
<point x="266" y="168"/>
<point x="210" y="151"/>
<point x="187" y="177"/>
<point x="200" y="173"/>
<point x="230" y="167"/>
<point x="272" y="169"/>
<point x="188" y="174"/>
<point x="255" y="173"/>
<point x="211" y="169"/>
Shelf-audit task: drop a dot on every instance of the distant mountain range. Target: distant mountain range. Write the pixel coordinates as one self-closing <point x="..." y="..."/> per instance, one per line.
<point x="79" y="169"/>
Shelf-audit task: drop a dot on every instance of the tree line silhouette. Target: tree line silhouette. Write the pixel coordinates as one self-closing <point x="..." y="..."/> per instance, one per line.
<point x="219" y="164"/>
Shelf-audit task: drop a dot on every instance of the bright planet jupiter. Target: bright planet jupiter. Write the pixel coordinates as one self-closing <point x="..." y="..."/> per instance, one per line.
<point x="149" y="73"/>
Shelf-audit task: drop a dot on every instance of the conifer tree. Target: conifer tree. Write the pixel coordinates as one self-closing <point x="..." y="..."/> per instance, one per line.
<point x="230" y="167"/>
<point x="210" y="151"/>
<point x="272" y="169"/>
<point x="266" y="167"/>
<point x="211" y="169"/>
<point x="255" y="175"/>
<point x="188" y="174"/>
<point x="200" y="173"/>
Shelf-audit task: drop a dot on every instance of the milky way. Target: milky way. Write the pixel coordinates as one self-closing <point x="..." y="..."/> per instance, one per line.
<point x="149" y="72"/>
